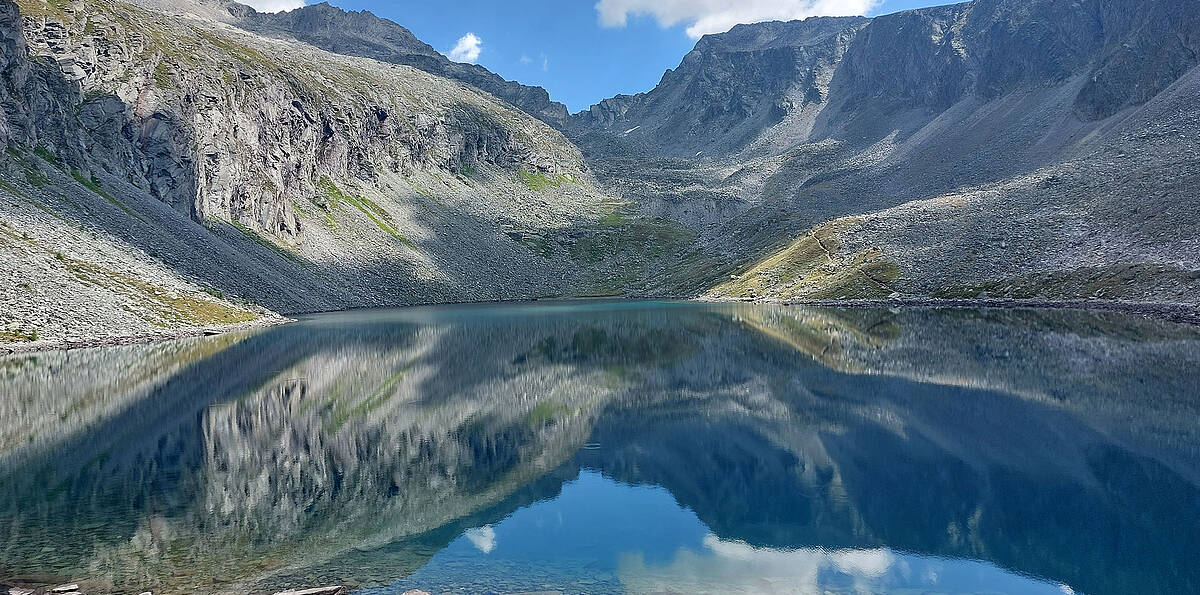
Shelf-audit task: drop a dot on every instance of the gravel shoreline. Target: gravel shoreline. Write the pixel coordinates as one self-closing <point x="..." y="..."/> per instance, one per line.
<point x="75" y="589"/>
<point x="1171" y="312"/>
<point x="141" y="338"/>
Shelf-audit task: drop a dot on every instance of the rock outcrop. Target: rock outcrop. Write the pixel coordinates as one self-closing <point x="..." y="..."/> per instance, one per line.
<point x="220" y="124"/>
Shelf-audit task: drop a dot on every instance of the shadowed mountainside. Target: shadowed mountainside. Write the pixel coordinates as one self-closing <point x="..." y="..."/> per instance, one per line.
<point x="167" y="172"/>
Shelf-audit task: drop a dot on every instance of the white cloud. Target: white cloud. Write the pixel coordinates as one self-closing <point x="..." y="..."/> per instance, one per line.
<point x="274" y="5"/>
<point x="483" y="538"/>
<point x="736" y="567"/>
<point x="718" y="16"/>
<point x="467" y="49"/>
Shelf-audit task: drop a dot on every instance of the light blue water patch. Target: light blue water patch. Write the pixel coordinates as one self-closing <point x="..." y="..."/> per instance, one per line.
<point x="603" y="536"/>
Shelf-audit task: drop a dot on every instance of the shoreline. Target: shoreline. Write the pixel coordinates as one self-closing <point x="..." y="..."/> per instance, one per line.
<point x="141" y="338"/>
<point x="1166" y="311"/>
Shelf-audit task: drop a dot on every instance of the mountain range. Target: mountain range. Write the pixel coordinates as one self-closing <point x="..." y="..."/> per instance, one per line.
<point x="184" y="164"/>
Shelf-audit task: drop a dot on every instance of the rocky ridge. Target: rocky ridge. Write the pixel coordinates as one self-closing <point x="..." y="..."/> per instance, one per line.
<point x="361" y="33"/>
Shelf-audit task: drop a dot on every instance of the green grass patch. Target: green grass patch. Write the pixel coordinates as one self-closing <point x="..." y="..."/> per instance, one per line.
<point x="1111" y="282"/>
<point x="380" y="217"/>
<point x="539" y="245"/>
<point x="643" y="238"/>
<point x="158" y="305"/>
<point x="13" y="190"/>
<point x="614" y="219"/>
<point x="538" y="181"/>
<point x="162" y="76"/>
<point x="248" y="56"/>
<point x="810" y="268"/>
<point x="53" y="9"/>
<point x="18" y="336"/>
<point x="47" y="156"/>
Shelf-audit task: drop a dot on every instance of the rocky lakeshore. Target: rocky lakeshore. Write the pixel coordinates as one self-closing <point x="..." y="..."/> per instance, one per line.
<point x="149" y="337"/>
<point x="76" y="589"/>
<point x="1179" y="313"/>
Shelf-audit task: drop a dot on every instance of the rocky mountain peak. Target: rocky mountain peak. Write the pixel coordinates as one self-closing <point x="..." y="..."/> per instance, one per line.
<point x="363" y="34"/>
<point x="732" y="87"/>
<point x="777" y="34"/>
<point x="728" y="89"/>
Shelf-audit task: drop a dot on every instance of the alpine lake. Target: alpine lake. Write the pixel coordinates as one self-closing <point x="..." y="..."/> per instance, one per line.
<point x="614" y="447"/>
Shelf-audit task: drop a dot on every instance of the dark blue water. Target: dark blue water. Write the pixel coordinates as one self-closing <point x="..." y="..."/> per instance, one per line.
<point x="609" y="447"/>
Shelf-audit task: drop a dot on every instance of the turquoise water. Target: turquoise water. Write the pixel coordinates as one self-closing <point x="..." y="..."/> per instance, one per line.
<point x="614" y="447"/>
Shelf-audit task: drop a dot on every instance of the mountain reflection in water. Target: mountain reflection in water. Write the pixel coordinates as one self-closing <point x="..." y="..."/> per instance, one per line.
<point x="615" y="446"/>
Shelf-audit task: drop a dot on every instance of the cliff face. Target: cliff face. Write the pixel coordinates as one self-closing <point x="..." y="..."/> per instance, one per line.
<point x="37" y="98"/>
<point x="222" y="124"/>
<point x="733" y="88"/>
<point x="1117" y="55"/>
<point x="728" y="89"/>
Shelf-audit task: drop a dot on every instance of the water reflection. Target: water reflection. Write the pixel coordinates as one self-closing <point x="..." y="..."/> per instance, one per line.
<point x="405" y="448"/>
<point x="599" y="535"/>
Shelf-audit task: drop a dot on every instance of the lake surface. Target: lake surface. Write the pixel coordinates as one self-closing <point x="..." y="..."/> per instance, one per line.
<point x="609" y="447"/>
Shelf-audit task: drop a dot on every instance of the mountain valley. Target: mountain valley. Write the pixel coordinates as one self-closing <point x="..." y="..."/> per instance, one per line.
<point x="181" y="165"/>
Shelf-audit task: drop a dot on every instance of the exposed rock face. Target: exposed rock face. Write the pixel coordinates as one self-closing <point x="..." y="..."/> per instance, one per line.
<point x="222" y="127"/>
<point x="933" y="58"/>
<point x="36" y="99"/>
<point x="729" y="88"/>
<point x="734" y="86"/>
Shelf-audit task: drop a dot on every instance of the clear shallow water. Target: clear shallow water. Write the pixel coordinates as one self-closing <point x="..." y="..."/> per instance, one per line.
<point x="605" y="447"/>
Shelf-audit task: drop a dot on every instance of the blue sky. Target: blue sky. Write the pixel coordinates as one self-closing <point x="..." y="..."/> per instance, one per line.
<point x="583" y="51"/>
